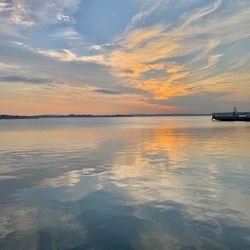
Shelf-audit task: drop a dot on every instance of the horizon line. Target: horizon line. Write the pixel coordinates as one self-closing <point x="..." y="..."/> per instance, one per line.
<point x="10" y="116"/>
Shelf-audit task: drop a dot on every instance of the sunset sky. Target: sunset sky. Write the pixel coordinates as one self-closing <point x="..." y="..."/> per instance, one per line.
<point x="124" y="56"/>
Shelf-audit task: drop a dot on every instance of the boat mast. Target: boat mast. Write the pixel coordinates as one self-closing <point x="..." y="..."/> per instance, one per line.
<point x="235" y="112"/>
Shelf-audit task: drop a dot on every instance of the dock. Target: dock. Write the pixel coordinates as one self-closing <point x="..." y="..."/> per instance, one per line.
<point x="232" y="116"/>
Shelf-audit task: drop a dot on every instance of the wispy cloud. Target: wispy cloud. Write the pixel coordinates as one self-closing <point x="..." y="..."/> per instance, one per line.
<point x="201" y="13"/>
<point x="108" y="91"/>
<point x="203" y="32"/>
<point x="138" y="37"/>
<point x="69" y="56"/>
<point x="67" y="33"/>
<point x="22" y="79"/>
<point x="148" y="8"/>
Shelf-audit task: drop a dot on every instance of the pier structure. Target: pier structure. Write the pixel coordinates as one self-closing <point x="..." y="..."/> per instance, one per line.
<point x="231" y="116"/>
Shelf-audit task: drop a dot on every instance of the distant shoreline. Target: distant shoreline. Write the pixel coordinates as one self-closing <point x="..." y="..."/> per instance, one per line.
<point x="12" y="117"/>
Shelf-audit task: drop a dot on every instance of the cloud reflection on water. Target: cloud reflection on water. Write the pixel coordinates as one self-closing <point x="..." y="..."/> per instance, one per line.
<point x="165" y="185"/>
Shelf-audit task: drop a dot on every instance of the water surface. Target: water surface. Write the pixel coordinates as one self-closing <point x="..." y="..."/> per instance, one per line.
<point x="124" y="183"/>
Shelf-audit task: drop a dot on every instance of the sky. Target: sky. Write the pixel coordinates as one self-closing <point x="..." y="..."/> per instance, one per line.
<point x="124" y="56"/>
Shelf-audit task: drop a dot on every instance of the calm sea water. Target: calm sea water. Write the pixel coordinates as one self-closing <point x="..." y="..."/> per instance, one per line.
<point x="124" y="183"/>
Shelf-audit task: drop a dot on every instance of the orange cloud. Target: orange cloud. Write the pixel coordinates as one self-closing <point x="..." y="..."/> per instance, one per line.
<point x="138" y="37"/>
<point x="140" y="51"/>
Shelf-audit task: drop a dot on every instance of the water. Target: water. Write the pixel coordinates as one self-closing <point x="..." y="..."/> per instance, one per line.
<point x="124" y="183"/>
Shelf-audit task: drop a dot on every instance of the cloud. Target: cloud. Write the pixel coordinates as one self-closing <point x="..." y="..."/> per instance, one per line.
<point x="133" y="62"/>
<point x="138" y="37"/>
<point x="68" y="56"/>
<point x="146" y="56"/>
<point x="4" y="6"/>
<point x="67" y="33"/>
<point x="167" y="51"/>
<point x="4" y="67"/>
<point x="200" y="102"/>
<point x="64" y="18"/>
<point x="30" y="13"/>
<point x="21" y="79"/>
<point x="96" y="47"/>
<point x="201" y="13"/>
<point x="213" y="60"/>
<point x="108" y="91"/>
<point x="21" y="14"/>
<point x="148" y="8"/>
<point x="73" y="81"/>
<point x="154" y="73"/>
<point x="235" y="84"/>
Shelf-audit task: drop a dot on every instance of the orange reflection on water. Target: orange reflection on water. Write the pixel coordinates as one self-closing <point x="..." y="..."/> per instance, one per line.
<point x="176" y="172"/>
